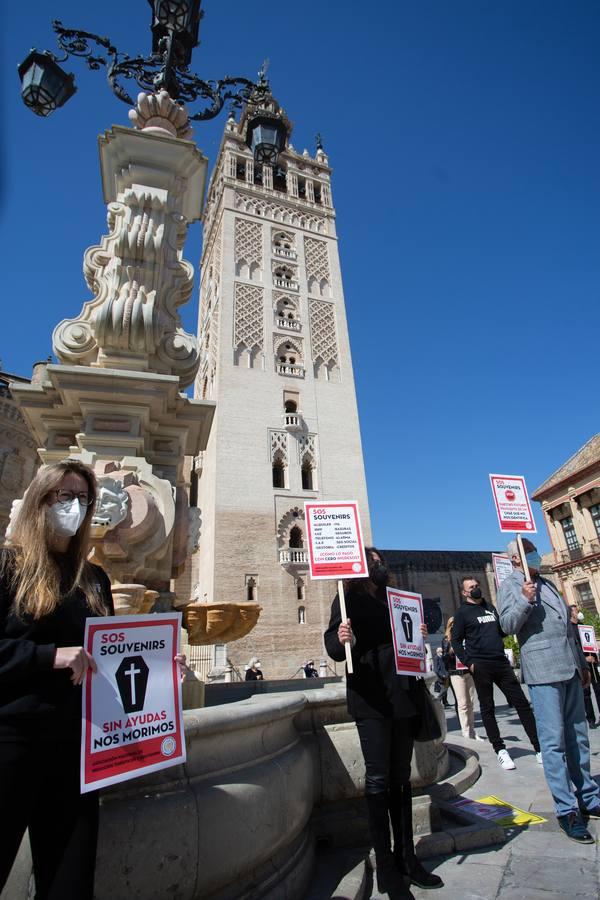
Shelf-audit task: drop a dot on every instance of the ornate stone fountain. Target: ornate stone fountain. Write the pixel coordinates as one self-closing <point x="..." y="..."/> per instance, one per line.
<point x="116" y="399"/>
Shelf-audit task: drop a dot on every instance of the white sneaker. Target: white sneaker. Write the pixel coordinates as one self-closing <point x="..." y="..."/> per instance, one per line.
<point x="477" y="737"/>
<point x="538" y="758"/>
<point x="505" y="760"/>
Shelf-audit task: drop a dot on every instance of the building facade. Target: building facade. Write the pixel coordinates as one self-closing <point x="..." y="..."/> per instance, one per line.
<point x="570" y="501"/>
<point x="18" y="451"/>
<point x="276" y="358"/>
<point x="437" y="575"/>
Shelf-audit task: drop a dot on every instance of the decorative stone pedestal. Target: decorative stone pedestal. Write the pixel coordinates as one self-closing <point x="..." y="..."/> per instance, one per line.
<point x="116" y="399"/>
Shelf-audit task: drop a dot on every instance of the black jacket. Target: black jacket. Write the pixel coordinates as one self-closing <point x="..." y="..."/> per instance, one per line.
<point x="31" y="690"/>
<point x="478" y="626"/>
<point x="374" y="691"/>
<point x="254" y="676"/>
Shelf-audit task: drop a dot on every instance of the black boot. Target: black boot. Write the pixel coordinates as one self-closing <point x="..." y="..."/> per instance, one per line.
<point x="389" y="880"/>
<point x="404" y="848"/>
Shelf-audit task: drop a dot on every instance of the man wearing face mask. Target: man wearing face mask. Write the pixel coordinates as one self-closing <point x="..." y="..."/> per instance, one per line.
<point x="554" y="668"/>
<point x="477" y="642"/>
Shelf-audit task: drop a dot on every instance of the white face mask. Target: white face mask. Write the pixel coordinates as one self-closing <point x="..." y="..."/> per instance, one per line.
<point x="580" y="616"/>
<point x="66" y="518"/>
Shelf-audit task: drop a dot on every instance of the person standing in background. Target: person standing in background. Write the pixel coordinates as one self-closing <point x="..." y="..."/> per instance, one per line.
<point x="591" y="659"/>
<point x="309" y="669"/>
<point x="253" y="672"/>
<point x="477" y="640"/>
<point x="442" y="678"/>
<point x="463" y="687"/>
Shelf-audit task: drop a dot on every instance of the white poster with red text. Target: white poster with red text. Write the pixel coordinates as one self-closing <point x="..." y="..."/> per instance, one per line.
<point x="512" y="503"/>
<point x="587" y="636"/>
<point x="502" y="567"/>
<point x="335" y="543"/>
<point x="132" y="714"/>
<point x="406" y="616"/>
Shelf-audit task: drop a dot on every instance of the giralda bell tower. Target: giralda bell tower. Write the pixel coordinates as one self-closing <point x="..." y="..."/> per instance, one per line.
<point x="276" y="358"/>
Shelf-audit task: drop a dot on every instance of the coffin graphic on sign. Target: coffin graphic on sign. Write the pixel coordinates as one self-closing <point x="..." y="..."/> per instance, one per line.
<point x="407" y="626"/>
<point x="132" y="681"/>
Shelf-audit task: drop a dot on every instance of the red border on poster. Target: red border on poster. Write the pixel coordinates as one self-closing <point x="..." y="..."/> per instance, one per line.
<point x="341" y="561"/>
<point x="407" y="665"/>
<point x="524" y="521"/>
<point x="588" y="646"/>
<point x="117" y="764"/>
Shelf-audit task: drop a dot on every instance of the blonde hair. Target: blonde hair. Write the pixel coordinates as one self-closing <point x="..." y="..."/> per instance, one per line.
<point x="449" y="624"/>
<point x="33" y="571"/>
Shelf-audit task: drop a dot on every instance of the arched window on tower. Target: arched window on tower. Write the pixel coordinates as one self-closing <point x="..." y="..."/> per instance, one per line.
<point x="251" y="589"/>
<point x="286" y="310"/>
<point x="291" y="406"/>
<point x="283" y="245"/>
<point x="307" y="476"/>
<point x="278" y="471"/>
<point x="284" y="276"/>
<point x="296" y="538"/>
<point x="301" y="615"/>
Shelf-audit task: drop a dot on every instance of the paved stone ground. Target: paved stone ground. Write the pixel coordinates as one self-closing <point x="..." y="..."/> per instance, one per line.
<point x="535" y="863"/>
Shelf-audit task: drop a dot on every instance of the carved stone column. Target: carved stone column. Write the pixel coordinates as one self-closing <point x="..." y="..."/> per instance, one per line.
<point x="115" y="400"/>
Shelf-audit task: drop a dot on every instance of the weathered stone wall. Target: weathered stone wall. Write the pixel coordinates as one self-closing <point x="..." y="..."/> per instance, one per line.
<point x="18" y="451"/>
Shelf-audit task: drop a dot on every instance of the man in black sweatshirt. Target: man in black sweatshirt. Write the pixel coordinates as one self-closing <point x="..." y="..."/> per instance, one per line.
<point x="477" y="642"/>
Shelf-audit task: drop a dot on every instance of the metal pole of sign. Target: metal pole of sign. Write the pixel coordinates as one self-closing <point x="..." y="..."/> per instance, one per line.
<point x="344" y="615"/>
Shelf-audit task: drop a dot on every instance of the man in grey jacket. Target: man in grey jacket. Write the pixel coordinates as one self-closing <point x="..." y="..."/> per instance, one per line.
<point x="554" y="668"/>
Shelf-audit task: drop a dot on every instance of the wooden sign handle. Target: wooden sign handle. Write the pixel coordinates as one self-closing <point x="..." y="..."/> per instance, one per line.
<point x="344" y="614"/>
<point x="523" y="560"/>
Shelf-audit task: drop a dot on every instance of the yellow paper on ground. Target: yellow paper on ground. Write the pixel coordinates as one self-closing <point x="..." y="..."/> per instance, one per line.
<point x="506" y="814"/>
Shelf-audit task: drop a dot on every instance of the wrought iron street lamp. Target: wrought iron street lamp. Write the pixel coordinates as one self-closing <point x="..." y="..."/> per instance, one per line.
<point x="45" y="86"/>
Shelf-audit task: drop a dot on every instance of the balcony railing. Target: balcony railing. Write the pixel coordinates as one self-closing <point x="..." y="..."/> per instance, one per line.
<point x="293" y="556"/>
<point x="288" y="369"/>
<point x="289" y="324"/>
<point x="292" y="421"/>
<point x="287" y="254"/>
<point x="285" y="284"/>
<point x="575" y="553"/>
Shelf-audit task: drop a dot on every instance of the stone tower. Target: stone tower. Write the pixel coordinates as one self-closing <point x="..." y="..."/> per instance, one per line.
<point x="275" y="355"/>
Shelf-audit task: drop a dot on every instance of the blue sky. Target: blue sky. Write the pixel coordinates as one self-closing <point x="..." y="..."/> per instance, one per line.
<point x="465" y="141"/>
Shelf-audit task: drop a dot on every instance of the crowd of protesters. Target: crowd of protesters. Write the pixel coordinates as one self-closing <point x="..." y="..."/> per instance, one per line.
<point x="48" y="589"/>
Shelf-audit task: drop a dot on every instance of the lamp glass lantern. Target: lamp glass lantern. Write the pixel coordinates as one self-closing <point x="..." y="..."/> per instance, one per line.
<point x="45" y="86"/>
<point x="174" y="14"/>
<point x="266" y="136"/>
<point x="179" y="18"/>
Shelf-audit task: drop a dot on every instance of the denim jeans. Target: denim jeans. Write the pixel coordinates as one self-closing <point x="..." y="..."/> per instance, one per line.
<point x="563" y="735"/>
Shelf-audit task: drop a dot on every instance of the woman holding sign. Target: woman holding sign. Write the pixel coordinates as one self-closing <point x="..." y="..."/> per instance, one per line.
<point x="47" y="590"/>
<point x="385" y="707"/>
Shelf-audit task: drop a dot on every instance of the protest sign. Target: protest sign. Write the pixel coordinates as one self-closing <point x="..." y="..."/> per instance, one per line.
<point x="335" y="544"/>
<point x="512" y="503"/>
<point x="497" y="810"/>
<point x="335" y="548"/>
<point x="406" y="615"/>
<point x="502" y="567"/>
<point x="460" y="666"/>
<point x="132" y="714"/>
<point x="587" y="636"/>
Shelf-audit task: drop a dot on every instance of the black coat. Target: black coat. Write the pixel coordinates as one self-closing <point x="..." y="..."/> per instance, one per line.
<point x="31" y="690"/>
<point x="374" y="691"/>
